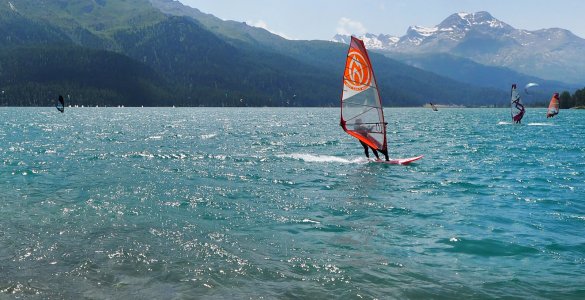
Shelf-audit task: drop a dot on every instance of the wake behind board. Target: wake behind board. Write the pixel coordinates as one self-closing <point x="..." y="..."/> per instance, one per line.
<point x="399" y="161"/>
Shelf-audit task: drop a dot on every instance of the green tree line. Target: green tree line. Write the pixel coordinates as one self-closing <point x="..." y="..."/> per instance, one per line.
<point x="35" y="76"/>
<point x="576" y="100"/>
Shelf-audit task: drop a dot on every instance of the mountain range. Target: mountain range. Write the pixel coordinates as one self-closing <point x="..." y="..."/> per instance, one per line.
<point x="161" y="52"/>
<point x="551" y="54"/>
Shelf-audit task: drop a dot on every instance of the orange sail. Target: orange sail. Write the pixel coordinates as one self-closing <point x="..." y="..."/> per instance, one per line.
<point x="362" y="114"/>
<point x="553" y="106"/>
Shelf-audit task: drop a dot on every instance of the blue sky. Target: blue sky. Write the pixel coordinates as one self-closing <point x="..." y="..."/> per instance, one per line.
<point x="322" y="19"/>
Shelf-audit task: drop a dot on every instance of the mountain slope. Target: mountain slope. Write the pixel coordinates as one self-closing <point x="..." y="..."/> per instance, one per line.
<point x="36" y="75"/>
<point x="329" y="57"/>
<point x="470" y="72"/>
<point x="201" y="59"/>
<point x="83" y="18"/>
<point x="205" y="64"/>
<point x="18" y="30"/>
<point x="552" y="54"/>
<point x="43" y="55"/>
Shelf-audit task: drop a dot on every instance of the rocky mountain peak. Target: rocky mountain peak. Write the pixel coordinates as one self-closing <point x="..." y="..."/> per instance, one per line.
<point x="486" y="40"/>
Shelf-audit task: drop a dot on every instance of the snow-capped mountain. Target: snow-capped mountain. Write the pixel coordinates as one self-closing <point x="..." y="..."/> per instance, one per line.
<point x="451" y="31"/>
<point x="555" y="54"/>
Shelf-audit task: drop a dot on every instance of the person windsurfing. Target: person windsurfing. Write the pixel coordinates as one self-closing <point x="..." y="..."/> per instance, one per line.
<point x="517" y="118"/>
<point x="433" y="106"/>
<point x="60" y="104"/>
<point x="553" y="107"/>
<point x="362" y="113"/>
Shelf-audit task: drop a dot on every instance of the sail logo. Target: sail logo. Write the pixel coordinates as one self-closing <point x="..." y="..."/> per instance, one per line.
<point x="357" y="73"/>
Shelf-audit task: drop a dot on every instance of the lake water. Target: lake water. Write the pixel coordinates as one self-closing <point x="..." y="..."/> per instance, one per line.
<point x="163" y="203"/>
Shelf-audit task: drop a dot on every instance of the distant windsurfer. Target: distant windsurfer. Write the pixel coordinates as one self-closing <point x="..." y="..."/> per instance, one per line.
<point x="433" y="106"/>
<point x="553" y="107"/>
<point x="61" y="104"/>
<point x="519" y="107"/>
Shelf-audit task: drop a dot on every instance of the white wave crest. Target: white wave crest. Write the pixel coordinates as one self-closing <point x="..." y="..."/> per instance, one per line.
<point x="540" y="124"/>
<point x="306" y="220"/>
<point x="324" y="158"/>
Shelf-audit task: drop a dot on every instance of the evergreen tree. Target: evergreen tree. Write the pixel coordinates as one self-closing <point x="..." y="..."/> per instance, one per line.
<point x="565" y="100"/>
<point x="579" y="97"/>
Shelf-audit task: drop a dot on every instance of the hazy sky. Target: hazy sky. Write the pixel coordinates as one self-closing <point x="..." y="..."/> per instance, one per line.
<point x="322" y="19"/>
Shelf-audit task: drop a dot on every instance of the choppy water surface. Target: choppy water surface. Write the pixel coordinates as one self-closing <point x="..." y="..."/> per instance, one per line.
<point x="279" y="203"/>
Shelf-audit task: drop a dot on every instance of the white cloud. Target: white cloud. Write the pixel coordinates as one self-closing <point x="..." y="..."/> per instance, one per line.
<point x="259" y="24"/>
<point x="264" y="25"/>
<point x="347" y="26"/>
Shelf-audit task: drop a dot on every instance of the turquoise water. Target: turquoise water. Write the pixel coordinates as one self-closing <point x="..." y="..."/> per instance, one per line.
<point x="163" y="203"/>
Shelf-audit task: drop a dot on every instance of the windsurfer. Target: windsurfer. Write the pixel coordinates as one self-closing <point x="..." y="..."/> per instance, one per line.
<point x="61" y="104"/>
<point x="520" y="107"/>
<point x="553" y="107"/>
<point x="518" y="117"/>
<point x="433" y="106"/>
<point x="516" y="104"/>
<point x="360" y="98"/>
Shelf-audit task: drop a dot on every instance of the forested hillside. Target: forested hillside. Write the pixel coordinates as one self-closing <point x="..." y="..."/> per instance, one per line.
<point x="127" y="52"/>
